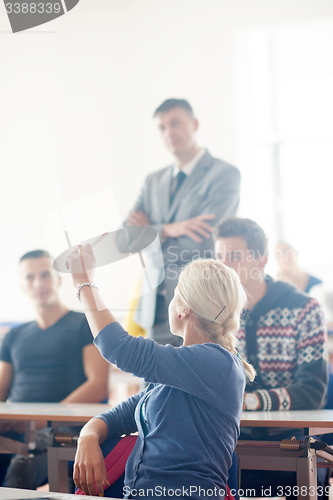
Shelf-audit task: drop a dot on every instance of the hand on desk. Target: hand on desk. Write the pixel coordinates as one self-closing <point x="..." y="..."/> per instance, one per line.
<point x="193" y="228"/>
<point x="89" y="468"/>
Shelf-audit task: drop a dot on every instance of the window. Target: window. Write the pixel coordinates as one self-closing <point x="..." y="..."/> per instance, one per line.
<point x="285" y="128"/>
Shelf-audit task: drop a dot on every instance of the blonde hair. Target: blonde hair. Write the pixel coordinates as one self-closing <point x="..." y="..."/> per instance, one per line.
<point x="216" y="298"/>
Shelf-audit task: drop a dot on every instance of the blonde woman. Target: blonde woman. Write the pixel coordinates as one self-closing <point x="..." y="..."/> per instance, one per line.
<point x="188" y="416"/>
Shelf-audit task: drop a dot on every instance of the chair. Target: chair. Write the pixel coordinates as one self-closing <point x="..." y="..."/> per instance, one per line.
<point x="116" y="452"/>
<point x="328" y="438"/>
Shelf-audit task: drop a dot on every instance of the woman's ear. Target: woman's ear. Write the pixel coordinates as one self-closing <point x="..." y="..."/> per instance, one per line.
<point x="185" y="312"/>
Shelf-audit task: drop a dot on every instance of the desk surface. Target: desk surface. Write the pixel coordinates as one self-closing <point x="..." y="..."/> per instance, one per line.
<point x="74" y="412"/>
<point x="319" y="421"/>
<point x="82" y="412"/>
<point x="16" y="494"/>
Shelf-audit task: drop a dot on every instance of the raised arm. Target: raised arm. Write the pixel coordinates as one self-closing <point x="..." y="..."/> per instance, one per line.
<point x="6" y="375"/>
<point x="184" y="368"/>
<point x="81" y="263"/>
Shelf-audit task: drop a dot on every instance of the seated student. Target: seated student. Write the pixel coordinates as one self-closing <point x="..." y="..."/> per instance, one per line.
<point x="188" y="416"/>
<point x="51" y="359"/>
<point x="282" y="334"/>
<point x="290" y="271"/>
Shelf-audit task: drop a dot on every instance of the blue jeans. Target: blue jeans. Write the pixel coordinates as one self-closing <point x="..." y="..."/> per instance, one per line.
<point x="31" y="472"/>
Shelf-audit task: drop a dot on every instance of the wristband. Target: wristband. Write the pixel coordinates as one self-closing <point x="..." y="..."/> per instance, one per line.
<point x="81" y="286"/>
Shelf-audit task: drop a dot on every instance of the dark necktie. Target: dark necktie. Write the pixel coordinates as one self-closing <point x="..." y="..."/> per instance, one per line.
<point x="180" y="177"/>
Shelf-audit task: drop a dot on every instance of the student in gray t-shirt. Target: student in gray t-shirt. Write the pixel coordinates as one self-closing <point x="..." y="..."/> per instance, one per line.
<point x="51" y="359"/>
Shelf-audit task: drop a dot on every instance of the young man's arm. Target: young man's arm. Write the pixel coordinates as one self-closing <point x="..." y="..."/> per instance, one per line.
<point x="308" y="390"/>
<point x="95" y="388"/>
<point x="6" y="374"/>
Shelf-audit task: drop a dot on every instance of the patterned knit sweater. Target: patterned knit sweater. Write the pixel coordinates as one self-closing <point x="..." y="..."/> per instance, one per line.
<point x="284" y="337"/>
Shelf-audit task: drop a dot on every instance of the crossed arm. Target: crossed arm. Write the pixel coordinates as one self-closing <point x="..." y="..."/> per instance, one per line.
<point x="195" y="228"/>
<point x="222" y="199"/>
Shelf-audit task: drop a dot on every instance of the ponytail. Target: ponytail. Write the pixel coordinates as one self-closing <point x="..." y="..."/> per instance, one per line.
<point x="216" y="297"/>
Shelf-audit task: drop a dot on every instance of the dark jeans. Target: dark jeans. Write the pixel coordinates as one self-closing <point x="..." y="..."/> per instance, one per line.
<point x="31" y="472"/>
<point x="160" y="331"/>
<point x="277" y="483"/>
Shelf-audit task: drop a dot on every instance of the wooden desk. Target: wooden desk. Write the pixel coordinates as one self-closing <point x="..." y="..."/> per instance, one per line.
<point x="312" y="422"/>
<point x="56" y="415"/>
<point x="255" y="455"/>
<point x="74" y="413"/>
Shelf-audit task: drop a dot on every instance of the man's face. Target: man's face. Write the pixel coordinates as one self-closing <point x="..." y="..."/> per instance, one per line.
<point x="177" y="130"/>
<point x="40" y="281"/>
<point x="233" y="252"/>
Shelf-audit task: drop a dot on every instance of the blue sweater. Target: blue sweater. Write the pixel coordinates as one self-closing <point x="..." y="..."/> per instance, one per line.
<point x="187" y="418"/>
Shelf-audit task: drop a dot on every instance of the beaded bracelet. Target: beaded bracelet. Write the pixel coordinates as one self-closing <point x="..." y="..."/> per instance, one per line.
<point x="81" y="286"/>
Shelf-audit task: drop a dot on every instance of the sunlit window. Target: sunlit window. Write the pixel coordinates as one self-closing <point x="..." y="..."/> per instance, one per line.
<point x="285" y="129"/>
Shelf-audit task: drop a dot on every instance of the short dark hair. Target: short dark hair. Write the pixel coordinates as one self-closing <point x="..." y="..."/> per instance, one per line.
<point x="174" y="103"/>
<point x="250" y="231"/>
<point x="35" y="254"/>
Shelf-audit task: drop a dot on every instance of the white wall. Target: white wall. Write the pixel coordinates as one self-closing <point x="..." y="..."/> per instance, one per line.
<point x="77" y="96"/>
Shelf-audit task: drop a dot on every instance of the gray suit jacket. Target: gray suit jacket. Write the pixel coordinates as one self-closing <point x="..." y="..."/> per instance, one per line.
<point x="212" y="188"/>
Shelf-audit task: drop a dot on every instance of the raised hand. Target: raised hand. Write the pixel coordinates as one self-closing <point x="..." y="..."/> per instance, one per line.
<point x="81" y="263"/>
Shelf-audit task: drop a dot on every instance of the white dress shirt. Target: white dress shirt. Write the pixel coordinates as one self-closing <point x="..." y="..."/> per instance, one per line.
<point x="189" y="166"/>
